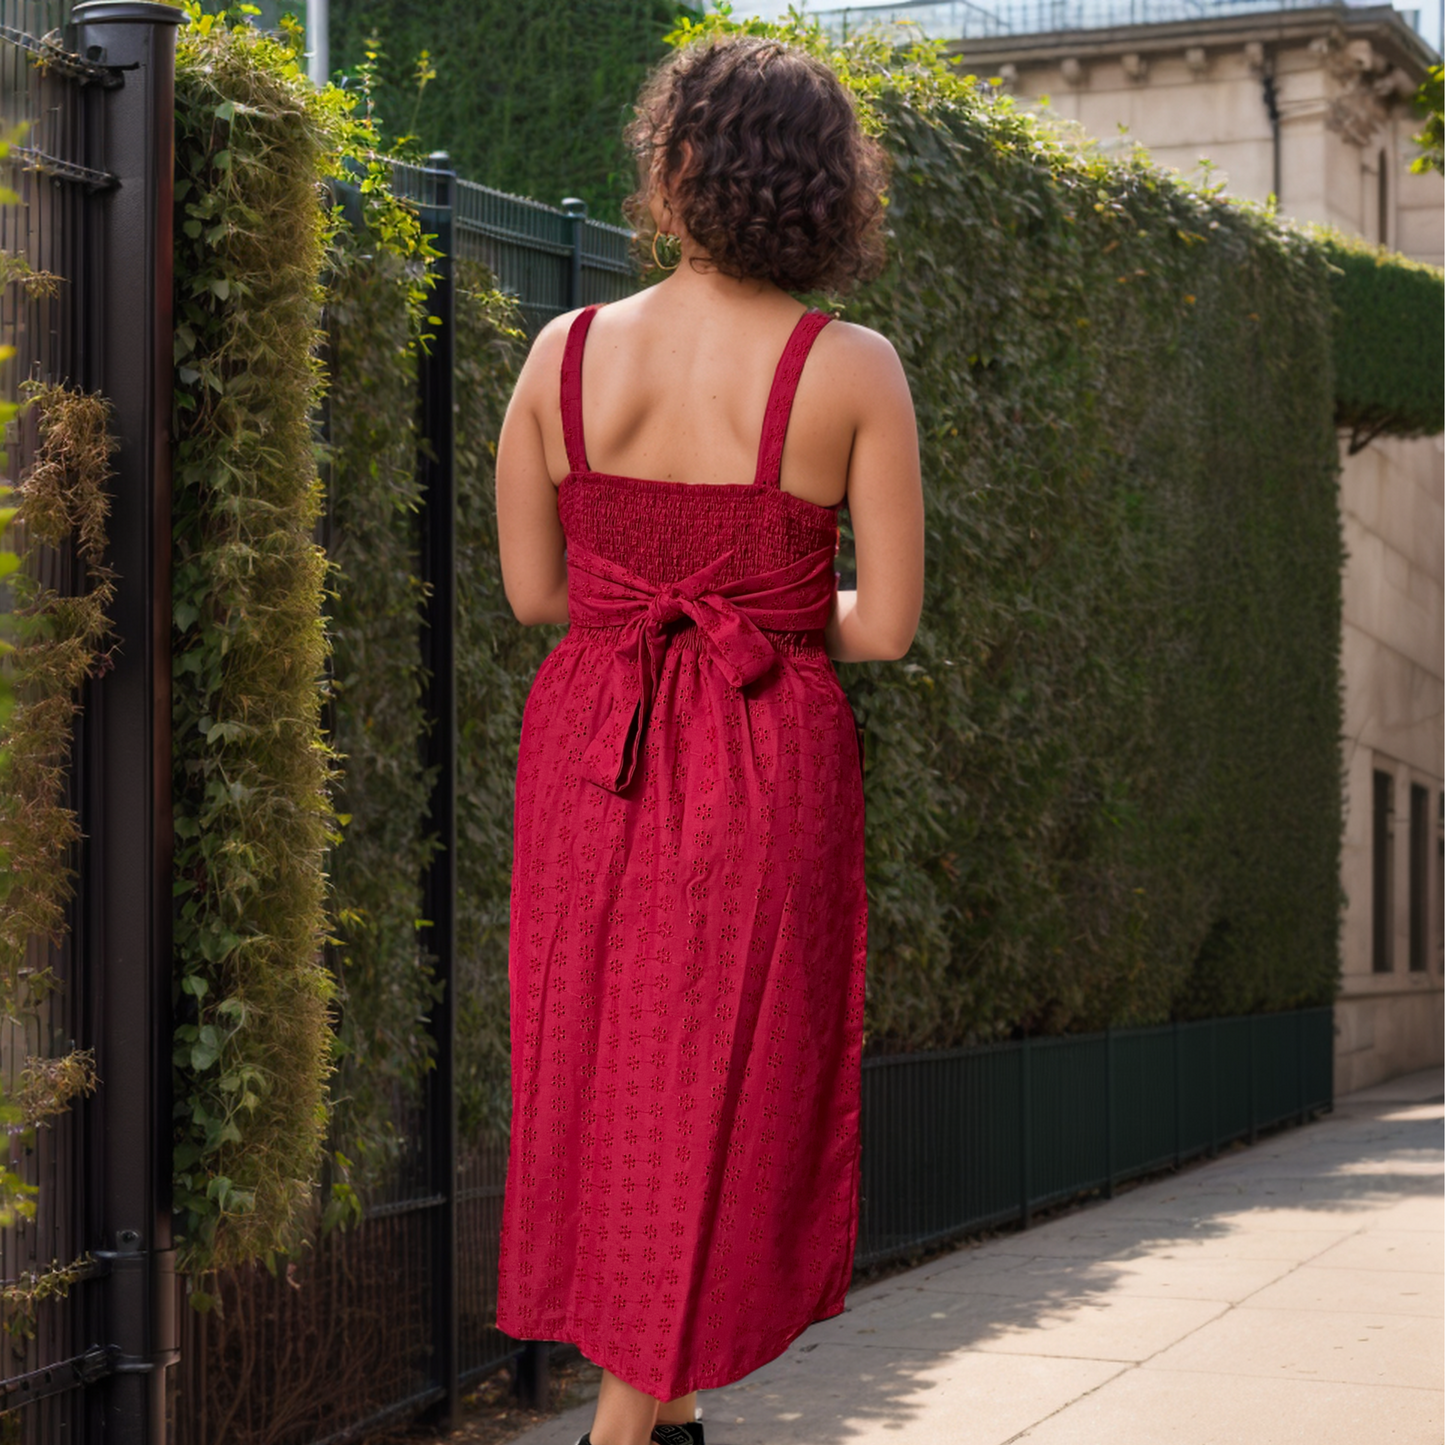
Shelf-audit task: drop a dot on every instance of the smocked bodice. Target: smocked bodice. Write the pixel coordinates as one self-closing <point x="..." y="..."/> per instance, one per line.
<point x="664" y="531"/>
<point x="744" y="572"/>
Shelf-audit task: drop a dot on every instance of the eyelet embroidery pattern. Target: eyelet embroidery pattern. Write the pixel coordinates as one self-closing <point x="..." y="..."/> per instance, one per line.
<point x="687" y="967"/>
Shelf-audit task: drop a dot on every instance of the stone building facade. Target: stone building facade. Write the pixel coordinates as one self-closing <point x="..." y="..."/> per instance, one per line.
<point x="1312" y="106"/>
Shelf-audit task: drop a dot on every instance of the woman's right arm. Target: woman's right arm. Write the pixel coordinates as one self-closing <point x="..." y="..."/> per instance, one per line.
<point x="885" y="504"/>
<point x="529" y="534"/>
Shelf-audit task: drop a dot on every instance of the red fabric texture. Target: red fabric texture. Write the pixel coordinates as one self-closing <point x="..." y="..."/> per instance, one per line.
<point x="687" y="929"/>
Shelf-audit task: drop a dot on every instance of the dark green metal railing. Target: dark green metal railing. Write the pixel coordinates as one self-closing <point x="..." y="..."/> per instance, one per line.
<point x="968" y="1139"/>
<point x="551" y="258"/>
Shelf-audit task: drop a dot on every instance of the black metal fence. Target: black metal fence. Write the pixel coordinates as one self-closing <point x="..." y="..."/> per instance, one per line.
<point x="92" y="170"/>
<point x="402" y="1308"/>
<point x="43" y="1373"/>
<point x="551" y="258"/>
<point x="976" y="1138"/>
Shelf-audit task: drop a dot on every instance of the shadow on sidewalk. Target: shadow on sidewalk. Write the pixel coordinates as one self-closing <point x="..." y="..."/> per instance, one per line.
<point x="1016" y="1325"/>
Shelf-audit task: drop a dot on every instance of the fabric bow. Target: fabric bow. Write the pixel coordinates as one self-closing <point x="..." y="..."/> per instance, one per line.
<point x="731" y="616"/>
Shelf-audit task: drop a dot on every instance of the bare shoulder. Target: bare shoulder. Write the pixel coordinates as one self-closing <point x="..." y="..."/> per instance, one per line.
<point x="858" y="356"/>
<point x="545" y="352"/>
<point x="860" y="369"/>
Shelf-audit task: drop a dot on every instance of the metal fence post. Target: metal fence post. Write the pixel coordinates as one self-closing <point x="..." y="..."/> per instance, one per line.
<point x="436" y="460"/>
<point x="1253" y="1093"/>
<point x="1213" y="1087"/>
<point x="577" y="210"/>
<point x="532" y="1372"/>
<point x="128" y="893"/>
<point x="1299" y="1065"/>
<point x="1108" y="1111"/>
<point x="1178" y="1094"/>
<point x="1026" y="1109"/>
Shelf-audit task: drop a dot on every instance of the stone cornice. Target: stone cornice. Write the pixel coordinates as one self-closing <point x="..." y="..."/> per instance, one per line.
<point x="1381" y="25"/>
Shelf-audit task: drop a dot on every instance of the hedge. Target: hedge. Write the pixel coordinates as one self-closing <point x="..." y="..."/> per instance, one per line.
<point x="53" y="638"/>
<point x="1105" y="786"/>
<point x="253" y="767"/>
<point x="382" y="962"/>
<point x="539" y="114"/>
<point x="1389" y="348"/>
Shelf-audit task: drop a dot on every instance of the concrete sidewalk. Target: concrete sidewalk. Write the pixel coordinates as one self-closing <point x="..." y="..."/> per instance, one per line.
<point x="1284" y="1294"/>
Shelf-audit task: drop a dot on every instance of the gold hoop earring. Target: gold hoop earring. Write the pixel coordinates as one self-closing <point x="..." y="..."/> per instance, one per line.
<point x="657" y="260"/>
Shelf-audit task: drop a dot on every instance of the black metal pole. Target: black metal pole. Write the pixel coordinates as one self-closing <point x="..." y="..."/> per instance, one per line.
<point x="577" y="210"/>
<point x="435" y="380"/>
<point x="1026" y="1109"/>
<point x="1108" y="1112"/>
<point x="129" y="888"/>
<point x="1178" y="1095"/>
<point x="532" y="1373"/>
<point x="1299" y="1065"/>
<point x="1253" y="1093"/>
<point x="1271" y="107"/>
<point x="1330" y="1060"/>
<point x="1213" y="1087"/>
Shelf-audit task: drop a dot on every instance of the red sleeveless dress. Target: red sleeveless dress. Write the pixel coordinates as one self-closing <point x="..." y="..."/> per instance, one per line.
<point x="687" y="928"/>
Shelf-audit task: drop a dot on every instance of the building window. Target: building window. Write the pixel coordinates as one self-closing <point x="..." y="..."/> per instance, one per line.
<point x="1382" y="850"/>
<point x="1419" y="876"/>
<point x="1382" y="195"/>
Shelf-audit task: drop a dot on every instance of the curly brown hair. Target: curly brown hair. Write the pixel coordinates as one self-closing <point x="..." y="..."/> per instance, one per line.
<point x="781" y="183"/>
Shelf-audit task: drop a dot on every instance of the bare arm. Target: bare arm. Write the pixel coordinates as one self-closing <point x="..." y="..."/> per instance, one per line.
<point x="885" y="502"/>
<point x="529" y="534"/>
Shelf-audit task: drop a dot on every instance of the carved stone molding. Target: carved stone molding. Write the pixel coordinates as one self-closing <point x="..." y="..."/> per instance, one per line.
<point x="1366" y="86"/>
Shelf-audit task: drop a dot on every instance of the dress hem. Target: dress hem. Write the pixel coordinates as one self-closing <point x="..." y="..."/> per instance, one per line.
<point x="569" y="1335"/>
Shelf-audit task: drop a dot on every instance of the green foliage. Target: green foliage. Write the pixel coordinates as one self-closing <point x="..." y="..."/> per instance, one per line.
<point x="529" y="99"/>
<point x="496" y="661"/>
<point x="12" y="268"/>
<point x="59" y="641"/>
<point x="1389" y="355"/>
<point x="1430" y="103"/>
<point x="253" y="772"/>
<point x="384" y="970"/>
<point x="253" y="818"/>
<point x="382" y="965"/>
<point x="1105" y="786"/>
<point x="54" y="643"/>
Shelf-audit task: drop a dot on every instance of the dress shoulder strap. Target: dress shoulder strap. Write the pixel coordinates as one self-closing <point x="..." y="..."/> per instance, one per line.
<point x="780" y="399"/>
<point x="572" y="390"/>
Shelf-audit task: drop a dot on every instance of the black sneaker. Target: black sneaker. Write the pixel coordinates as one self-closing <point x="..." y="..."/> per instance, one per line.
<point x="677" y="1434"/>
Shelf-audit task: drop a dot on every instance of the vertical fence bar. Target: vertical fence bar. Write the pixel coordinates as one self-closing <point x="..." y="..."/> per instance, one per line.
<point x="128" y="892"/>
<point x="1174" y="1041"/>
<point x="1299" y="1067"/>
<point x="532" y="1371"/>
<point x="1109" y="1087"/>
<point x="1214" y="1087"/>
<point x="1026" y="1109"/>
<point x="436" y="382"/>
<point x="1253" y="1087"/>
<point x="577" y="212"/>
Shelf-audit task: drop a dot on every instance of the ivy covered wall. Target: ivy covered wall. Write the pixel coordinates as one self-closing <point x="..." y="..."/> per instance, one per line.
<point x="529" y="99"/>
<point x="1103" y="788"/>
